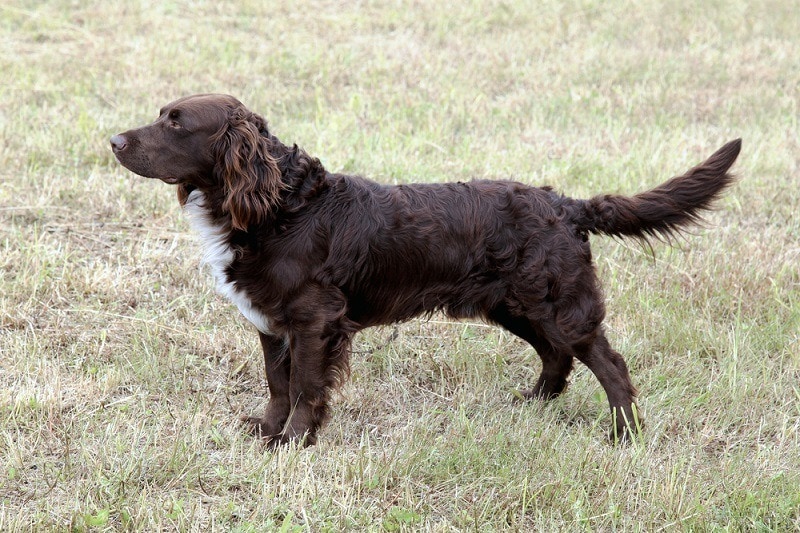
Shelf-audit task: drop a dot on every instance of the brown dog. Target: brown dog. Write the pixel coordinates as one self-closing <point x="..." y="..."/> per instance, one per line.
<point x="311" y="257"/>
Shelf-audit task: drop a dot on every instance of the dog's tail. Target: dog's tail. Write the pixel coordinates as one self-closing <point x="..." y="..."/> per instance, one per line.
<point x="663" y="211"/>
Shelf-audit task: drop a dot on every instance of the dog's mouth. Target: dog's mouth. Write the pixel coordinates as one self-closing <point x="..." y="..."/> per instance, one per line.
<point x="172" y="180"/>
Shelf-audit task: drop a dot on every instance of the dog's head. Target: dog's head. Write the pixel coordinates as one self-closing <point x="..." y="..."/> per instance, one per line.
<point x="210" y="142"/>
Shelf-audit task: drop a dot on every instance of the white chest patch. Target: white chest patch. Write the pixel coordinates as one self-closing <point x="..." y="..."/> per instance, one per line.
<point x="218" y="255"/>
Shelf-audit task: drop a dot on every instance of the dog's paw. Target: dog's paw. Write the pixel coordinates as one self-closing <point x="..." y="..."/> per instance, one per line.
<point x="283" y="440"/>
<point x="276" y="435"/>
<point x="538" y="393"/>
<point x="263" y="427"/>
<point x="627" y="427"/>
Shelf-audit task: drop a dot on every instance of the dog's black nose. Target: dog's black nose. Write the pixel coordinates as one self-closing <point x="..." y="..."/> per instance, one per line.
<point x="118" y="143"/>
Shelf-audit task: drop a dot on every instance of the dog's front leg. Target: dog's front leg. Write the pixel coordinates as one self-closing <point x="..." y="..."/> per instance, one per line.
<point x="319" y="345"/>
<point x="277" y="365"/>
<point x="308" y="390"/>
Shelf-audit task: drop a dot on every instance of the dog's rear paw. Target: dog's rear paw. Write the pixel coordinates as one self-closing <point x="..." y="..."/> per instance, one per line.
<point x="537" y="393"/>
<point x="627" y="427"/>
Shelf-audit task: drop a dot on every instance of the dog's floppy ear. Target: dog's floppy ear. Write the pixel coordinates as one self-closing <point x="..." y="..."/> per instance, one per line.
<point x="246" y="168"/>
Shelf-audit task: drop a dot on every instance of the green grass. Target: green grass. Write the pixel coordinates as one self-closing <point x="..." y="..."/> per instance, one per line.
<point x="122" y="374"/>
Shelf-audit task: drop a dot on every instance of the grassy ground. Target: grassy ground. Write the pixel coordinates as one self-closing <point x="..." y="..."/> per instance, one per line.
<point x="122" y="374"/>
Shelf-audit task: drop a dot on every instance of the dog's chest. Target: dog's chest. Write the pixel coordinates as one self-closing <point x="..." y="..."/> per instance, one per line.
<point x="219" y="256"/>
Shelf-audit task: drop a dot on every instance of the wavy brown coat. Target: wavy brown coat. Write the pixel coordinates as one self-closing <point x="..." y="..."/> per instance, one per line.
<point x="319" y="256"/>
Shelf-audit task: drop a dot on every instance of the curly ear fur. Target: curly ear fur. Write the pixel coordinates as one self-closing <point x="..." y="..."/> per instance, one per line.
<point x="248" y="172"/>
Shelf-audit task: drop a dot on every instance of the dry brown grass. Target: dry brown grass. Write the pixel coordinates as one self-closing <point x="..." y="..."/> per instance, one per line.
<point x="123" y="374"/>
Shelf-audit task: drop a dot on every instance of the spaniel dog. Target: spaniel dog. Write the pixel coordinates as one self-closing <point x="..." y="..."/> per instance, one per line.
<point x="310" y="257"/>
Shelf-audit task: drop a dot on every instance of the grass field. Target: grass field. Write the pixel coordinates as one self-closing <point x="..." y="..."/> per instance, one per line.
<point x="122" y="373"/>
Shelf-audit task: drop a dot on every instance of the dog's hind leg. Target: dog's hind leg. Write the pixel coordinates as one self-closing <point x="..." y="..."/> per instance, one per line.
<point x="576" y="328"/>
<point x="610" y="369"/>
<point x="578" y="335"/>
<point x="556" y="364"/>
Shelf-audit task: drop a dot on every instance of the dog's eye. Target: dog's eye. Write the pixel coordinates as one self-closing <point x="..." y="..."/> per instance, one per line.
<point x="173" y="119"/>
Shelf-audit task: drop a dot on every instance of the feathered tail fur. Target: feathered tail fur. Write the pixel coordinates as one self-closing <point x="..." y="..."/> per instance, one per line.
<point x="663" y="211"/>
